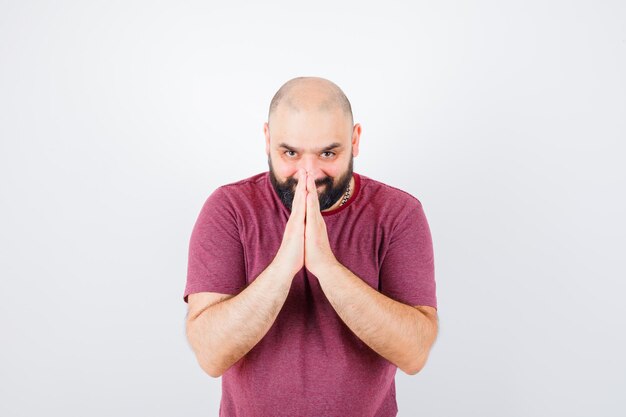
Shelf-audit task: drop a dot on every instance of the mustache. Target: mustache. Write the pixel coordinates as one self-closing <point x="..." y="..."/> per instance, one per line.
<point x="291" y="182"/>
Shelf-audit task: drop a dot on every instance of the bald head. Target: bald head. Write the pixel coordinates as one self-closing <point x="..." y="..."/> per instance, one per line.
<point x="310" y="94"/>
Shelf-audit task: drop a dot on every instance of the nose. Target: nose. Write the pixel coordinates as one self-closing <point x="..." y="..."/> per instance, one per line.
<point x="311" y="168"/>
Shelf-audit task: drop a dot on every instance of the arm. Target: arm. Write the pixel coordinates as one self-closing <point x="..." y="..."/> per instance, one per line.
<point x="223" y="333"/>
<point x="400" y="333"/>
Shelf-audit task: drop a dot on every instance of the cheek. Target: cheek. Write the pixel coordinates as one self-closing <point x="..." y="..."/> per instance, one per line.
<point x="283" y="169"/>
<point x="333" y="170"/>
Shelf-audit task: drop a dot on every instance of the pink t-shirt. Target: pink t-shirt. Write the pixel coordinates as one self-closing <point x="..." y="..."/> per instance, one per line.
<point x="310" y="363"/>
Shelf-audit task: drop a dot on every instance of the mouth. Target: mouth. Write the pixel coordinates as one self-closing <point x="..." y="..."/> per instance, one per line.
<point x="321" y="187"/>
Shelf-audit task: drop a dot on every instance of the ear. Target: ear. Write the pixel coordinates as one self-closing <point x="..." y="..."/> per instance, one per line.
<point x="356" y="137"/>
<point x="266" y="132"/>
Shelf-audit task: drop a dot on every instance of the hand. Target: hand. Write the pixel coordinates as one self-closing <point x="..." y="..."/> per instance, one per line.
<point x="290" y="255"/>
<point x="317" y="252"/>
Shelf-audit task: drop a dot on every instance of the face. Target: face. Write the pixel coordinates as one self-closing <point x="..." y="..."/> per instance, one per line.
<point x="323" y="143"/>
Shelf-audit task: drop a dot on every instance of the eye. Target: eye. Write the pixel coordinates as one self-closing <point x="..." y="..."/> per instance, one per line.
<point x="331" y="153"/>
<point x="288" y="152"/>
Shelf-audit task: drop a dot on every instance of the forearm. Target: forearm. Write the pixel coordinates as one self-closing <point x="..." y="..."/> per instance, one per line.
<point x="398" y="332"/>
<point x="226" y="331"/>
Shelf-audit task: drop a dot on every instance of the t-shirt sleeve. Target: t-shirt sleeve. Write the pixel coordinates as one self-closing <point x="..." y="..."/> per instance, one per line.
<point x="216" y="258"/>
<point x="407" y="272"/>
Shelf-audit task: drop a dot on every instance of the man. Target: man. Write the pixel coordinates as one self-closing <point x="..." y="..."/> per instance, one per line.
<point x="310" y="284"/>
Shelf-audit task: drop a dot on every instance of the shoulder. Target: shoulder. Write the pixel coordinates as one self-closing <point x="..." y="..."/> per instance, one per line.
<point x="382" y="196"/>
<point x="253" y="181"/>
<point x="395" y="210"/>
<point x="233" y="192"/>
<point x="242" y="198"/>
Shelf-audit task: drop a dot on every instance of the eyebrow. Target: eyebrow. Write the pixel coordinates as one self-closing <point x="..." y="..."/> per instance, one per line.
<point x="327" y="148"/>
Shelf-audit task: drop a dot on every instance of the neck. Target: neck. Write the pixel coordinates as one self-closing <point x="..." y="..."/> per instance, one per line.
<point x="338" y="202"/>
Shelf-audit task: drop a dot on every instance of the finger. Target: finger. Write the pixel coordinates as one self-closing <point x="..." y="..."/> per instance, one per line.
<point x="313" y="204"/>
<point x="298" y="205"/>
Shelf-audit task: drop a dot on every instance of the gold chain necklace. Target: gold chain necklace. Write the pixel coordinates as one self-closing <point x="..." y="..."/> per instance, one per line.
<point x="345" y="197"/>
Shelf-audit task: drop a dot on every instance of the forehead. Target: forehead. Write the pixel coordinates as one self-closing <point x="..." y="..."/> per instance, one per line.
<point x="329" y="147"/>
<point x="309" y="129"/>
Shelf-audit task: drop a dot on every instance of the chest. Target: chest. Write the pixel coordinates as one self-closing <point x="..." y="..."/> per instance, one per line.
<point x="358" y="245"/>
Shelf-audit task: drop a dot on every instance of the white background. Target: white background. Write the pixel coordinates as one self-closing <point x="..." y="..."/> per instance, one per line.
<point x="506" y="119"/>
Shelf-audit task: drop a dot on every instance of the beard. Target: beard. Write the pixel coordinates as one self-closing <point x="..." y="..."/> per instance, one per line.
<point x="330" y="194"/>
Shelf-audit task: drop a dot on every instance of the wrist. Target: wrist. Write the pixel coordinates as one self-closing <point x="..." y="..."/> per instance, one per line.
<point x="282" y="269"/>
<point x="326" y="269"/>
